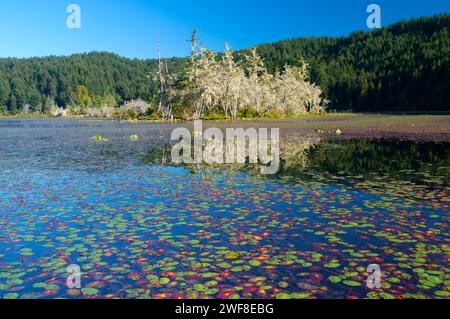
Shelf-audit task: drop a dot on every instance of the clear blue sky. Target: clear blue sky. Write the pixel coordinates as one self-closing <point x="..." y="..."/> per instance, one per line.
<point x="130" y="28"/>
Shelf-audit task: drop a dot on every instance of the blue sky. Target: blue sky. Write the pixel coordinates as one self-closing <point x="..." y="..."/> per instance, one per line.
<point x="130" y="28"/>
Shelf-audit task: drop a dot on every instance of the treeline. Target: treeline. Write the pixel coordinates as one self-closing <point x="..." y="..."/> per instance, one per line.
<point x="82" y="80"/>
<point x="404" y="67"/>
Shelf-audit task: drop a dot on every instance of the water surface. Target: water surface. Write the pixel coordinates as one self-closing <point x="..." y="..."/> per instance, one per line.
<point x="141" y="230"/>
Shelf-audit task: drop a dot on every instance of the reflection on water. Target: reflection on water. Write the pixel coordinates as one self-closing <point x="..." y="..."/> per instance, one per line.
<point x="153" y="231"/>
<point x="424" y="163"/>
<point x="419" y="162"/>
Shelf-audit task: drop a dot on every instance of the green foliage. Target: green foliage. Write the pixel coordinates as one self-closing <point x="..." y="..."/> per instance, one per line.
<point x="99" y="138"/>
<point x="248" y="113"/>
<point x="132" y="114"/>
<point x="401" y="67"/>
<point x="83" y="80"/>
<point x="134" y="137"/>
<point x="82" y="96"/>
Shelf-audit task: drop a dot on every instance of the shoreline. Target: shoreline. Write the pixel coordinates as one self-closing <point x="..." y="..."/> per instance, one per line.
<point x="419" y="128"/>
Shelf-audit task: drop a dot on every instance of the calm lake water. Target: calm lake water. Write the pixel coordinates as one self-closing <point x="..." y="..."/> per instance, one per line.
<point x="142" y="230"/>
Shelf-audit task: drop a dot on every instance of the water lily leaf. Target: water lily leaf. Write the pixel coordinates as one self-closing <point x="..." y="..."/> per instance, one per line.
<point x="89" y="291"/>
<point x="335" y="279"/>
<point x="351" y="283"/>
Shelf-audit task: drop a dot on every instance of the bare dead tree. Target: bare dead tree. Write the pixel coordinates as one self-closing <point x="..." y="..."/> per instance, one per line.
<point x="160" y="76"/>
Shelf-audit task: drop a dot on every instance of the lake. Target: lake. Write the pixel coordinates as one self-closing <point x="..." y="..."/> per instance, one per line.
<point x="140" y="228"/>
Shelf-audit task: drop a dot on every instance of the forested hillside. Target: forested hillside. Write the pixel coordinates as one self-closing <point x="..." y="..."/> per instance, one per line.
<point x="404" y="67"/>
<point x="92" y="79"/>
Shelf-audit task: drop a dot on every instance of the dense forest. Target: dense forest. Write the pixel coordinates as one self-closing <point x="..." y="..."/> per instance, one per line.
<point x="403" y="67"/>
<point x="91" y="79"/>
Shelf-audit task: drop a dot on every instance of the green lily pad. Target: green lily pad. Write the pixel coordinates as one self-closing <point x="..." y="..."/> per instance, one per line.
<point x="351" y="283"/>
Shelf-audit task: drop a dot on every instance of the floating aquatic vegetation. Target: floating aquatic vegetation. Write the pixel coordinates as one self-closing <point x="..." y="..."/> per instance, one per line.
<point x="134" y="137"/>
<point x="99" y="138"/>
<point x="337" y="132"/>
<point x="148" y="231"/>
